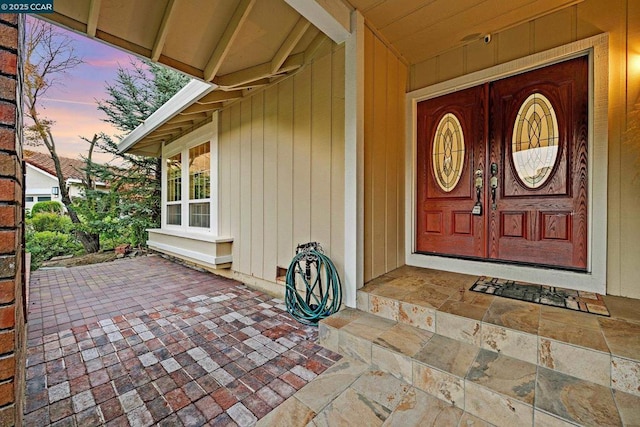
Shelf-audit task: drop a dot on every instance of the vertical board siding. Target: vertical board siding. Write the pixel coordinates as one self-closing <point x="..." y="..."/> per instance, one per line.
<point x="378" y="160"/>
<point x="391" y="153"/>
<point x="621" y="19"/>
<point x="302" y="160"/>
<point x="234" y="184"/>
<point x="245" y="184"/>
<point x="282" y="169"/>
<point x="369" y="45"/>
<point x="385" y="81"/>
<point x="321" y="152"/>
<point x="337" y="160"/>
<point x="224" y="174"/>
<point x="400" y="94"/>
<point x="270" y="185"/>
<point x="257" y="183"/>
<point x="285" y="172"/>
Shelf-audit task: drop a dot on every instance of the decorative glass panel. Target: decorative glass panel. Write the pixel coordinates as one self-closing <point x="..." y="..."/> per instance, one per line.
<point x="174" y="214"/>
<point x="448" y="152"/>
<point x="174" y="178"/>
<point x="199" y="215"/>
<point x="199" y="172"/>
<point x="534" y="145"/>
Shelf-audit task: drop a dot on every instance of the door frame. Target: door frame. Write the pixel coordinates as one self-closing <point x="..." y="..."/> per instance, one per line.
<point x="595" y="278"/>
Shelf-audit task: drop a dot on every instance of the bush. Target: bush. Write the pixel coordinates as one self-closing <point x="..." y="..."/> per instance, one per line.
<point x="44" y="245"/>
<point x="48" y="207"/>
<point x="45" y="221"/>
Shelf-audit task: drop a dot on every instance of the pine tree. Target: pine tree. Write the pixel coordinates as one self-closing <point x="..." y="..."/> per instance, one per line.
<point x="134" y="96"/>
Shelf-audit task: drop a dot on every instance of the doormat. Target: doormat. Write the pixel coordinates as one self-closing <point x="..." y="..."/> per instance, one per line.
<point x="587" y="302"/>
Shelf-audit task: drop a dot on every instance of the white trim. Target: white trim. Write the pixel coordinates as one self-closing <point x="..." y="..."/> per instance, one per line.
<point x="199" y="256"/>
<point x="201" y="135"/>
<point x="204" y="237"/>
<point x="42" y="171"/>
<point x="188" y="95"/>
<point x="332" y="17"/>
<point x="354" y="161"/>
<point x="595" y="279"/>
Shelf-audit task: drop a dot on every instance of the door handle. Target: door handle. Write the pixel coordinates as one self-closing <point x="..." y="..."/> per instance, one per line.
<point x="477" y="208"/>
<point x="493" y="182"/>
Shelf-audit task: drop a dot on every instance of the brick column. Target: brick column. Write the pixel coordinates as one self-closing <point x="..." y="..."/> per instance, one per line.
<point x="12" y="284"/>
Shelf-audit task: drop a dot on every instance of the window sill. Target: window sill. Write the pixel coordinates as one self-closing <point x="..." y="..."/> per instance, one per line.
<point x="202" y="248"/>
<point x="205" y="236"/>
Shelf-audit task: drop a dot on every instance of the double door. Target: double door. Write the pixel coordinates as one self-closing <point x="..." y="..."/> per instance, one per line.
<point x="502" y="169"/>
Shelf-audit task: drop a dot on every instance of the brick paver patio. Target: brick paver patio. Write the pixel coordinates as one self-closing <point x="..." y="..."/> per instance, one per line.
<point x="144" y="341"/>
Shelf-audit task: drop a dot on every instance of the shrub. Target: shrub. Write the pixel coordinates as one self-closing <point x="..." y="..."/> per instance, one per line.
<point x="44" y="245"/>
<point x="46" y="221"/>
<point x="49" y="207"/>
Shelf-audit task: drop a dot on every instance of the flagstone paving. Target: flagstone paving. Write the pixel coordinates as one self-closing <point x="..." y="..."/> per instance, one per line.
<point x="147" y="341"/>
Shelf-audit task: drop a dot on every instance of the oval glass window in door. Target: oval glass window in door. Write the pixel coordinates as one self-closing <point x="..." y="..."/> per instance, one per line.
<point x="534" y="145"/>
<point x="448" y="152"/>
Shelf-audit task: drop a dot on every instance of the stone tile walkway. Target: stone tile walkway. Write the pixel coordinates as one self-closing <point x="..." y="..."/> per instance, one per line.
<point x="145" y="341"/>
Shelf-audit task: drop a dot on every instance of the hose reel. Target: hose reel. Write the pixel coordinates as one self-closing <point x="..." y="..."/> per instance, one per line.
<point x="313" y="289"/>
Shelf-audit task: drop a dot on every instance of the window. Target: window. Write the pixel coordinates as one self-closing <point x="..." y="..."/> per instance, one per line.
<point x="188" y="174"/>
<point x="199" y="185"/>
<point x="44" y="198"/>
<point x="174" y="189"/>
<point x="28" y="199"/>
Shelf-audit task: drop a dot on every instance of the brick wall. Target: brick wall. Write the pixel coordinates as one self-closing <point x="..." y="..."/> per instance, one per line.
<point x="12" y="309"/>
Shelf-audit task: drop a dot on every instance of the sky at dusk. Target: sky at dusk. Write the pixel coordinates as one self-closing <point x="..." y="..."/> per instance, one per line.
<point x="73" y="105"/>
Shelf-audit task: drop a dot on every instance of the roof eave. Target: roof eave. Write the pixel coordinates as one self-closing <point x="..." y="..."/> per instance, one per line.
<point x="187" y="96"/>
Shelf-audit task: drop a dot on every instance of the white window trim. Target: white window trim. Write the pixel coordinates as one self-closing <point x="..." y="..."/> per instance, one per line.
<point x="206" y="133"/>
<point x="594" y="280"/>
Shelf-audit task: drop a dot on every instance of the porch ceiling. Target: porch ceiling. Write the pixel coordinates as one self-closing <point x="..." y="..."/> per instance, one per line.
<point x="421" y="29"/>
<point x="235" y="45"/>
<point x="239" y="45"/>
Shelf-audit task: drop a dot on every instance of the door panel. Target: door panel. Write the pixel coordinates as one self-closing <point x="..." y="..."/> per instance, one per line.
<point x="541" y="199"/>
<point x="445" y="176"/>
<point x="527" y="134"/>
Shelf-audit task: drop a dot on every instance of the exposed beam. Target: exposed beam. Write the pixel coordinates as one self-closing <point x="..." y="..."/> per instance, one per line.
<point x="289" y="44"/>
<point x="148" y="142"/>
<point x="187" y="118"/>
<point x="161" y="37"/>
<point x="151" y="151"/>
<point x="171" y="125"/>
<point x="314" y="46"/>
<point x="220" y="96"/>
<point x="158" y="136"/>
<point x="258" y="72"/>
<point x="332" y="17"/>
<point x="92" y="19"/>
<point x="230" y="33"/>
<point x="200" y="108"/>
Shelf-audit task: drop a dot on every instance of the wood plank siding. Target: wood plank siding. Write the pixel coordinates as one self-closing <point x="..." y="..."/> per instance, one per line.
<point x="384" y="167"/>
<point x="281" y="163"/>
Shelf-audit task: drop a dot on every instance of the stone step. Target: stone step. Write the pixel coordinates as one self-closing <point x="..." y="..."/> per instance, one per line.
<point x="491" y="385"/>
<point x="598" y="349"/>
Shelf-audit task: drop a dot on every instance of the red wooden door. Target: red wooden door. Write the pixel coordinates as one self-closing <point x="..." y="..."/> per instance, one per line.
<point x="538" y="140"/>
<point x="526" y="135"/>
<point x="451" y="135"/>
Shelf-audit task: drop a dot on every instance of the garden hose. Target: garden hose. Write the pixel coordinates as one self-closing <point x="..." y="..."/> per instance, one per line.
<point x="320" y="285"/>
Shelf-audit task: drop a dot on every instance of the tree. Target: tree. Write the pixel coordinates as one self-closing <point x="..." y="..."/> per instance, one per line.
<point x="136" y="93"/>
<point x="49" y="55"/>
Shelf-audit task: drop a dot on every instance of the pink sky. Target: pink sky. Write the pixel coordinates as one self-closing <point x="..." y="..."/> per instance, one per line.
<point x="73" y="106"/>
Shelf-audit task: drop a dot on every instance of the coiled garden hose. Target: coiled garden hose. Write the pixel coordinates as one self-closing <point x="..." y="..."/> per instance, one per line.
<point x="322" y="290"/>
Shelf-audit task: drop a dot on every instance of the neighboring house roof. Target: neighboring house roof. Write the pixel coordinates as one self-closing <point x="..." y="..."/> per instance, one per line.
<point x="72" y="169"/>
